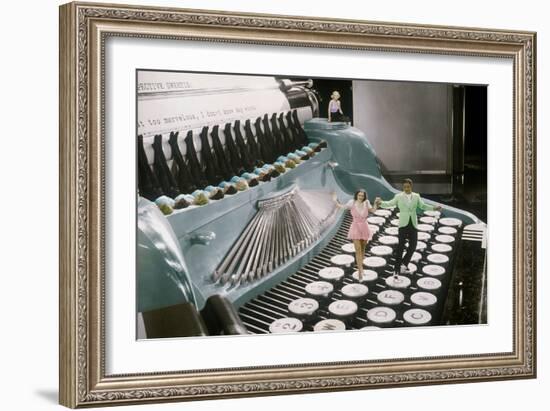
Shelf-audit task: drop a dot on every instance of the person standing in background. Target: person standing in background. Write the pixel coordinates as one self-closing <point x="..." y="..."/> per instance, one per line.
<point x="335" y="108"/>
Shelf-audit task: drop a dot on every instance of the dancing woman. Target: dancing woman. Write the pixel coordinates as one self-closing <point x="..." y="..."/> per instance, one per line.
<point x="359" y="231"/>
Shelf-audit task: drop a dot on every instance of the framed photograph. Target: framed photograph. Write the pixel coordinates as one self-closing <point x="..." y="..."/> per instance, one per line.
<point x="262" y="204"/>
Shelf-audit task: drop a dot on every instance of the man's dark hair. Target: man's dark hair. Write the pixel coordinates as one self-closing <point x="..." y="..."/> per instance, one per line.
<point x="408" y="180"/>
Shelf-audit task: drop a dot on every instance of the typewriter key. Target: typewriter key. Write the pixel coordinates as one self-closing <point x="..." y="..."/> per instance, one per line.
<point x="342" y="260"/>
<point x="383" y="213"/>
<point x="343" y="310"/>
<point x="319" y="290"/>
<point x="424" y="299"/>
<point x="437" y="258"/>
<point x="444" y="238"/>
<point x="390" y="240"/>
<point x="417" y="316"/>
<point x="331" y="274"/>
<point x="329" y="325"/>
<point x="395" y="221"/>
<point x="376" y="220"/>
<point x="432" y="213"/>
<point x="381" y="250"/>
<point x="348" y="248"/>
<point x="442" y="248"/>
<point x="434" y="270"/>
<point x="390" y="297"/>
<point x="391" y="231"/>
<point x="428" y="283"/>
<point x="425" y="227"/>
<point x="303" y="308"/>
<point x="428" y="220"/>
<point x="381" y="315"/>
<point x="423" y="236"/>
<point x="286" y="325"/>
<point x="451" y="222"/>
<point x="354" y="292"/>
<point x="368" y="275"/>
<point x="374" y="263"/>
<point x="447" y="230"/>
<point x="399" y="282"/>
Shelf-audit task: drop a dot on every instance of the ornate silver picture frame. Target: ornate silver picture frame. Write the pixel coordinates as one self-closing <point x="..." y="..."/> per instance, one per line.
<point x="84" y="30"/>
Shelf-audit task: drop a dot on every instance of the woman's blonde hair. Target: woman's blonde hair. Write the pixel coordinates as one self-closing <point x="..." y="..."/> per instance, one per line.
<point x="335" y="92"/>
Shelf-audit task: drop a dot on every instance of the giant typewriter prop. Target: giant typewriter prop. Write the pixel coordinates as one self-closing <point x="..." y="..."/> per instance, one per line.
<point x="237" y="231"/>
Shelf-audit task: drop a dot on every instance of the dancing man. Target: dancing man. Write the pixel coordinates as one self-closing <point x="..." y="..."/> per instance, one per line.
<point x="407" y="202"/>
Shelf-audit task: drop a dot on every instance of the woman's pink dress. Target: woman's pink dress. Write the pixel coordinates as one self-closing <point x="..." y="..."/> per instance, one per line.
<point x="359" y="229"/>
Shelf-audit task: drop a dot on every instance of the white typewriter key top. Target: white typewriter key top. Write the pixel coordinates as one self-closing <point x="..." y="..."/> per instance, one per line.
<point x="368" y="275"/>
<point x="383" y="213"/>
<point x="447" y="230"/>
<point x="398" y="282"/>
<point x="376" y="220"/>
<point x="435" y="270"/>
<point x="348" y="248"/>
<point x="331" y="273"/>
<point x="432" y="213"/>
<point x="303" y="306"/>
<point x="412" y="267"/>
<point x="374" y="228"/>
<point x="342" y="259"/>
<point x="390" y="297"/>
<point x="417" y="316"/>
<point x="286" y="325"/>
<point x="444" y="238"/>
<point x="392" y="231"/>
<point x="427" y="283"/>
<point x="437" y="258"/>
<point x="423" y="299"/>
<point x="451" y="222"/>
<point x="381" y="250"/>
<point x="381" y="315"/>
<point x="353" y="291"/>
<point x="421" y="245"/>
<point x="329" y="325"/>
<point x="319" y="288"/>
<point x="442" y="248"/>
<point x="428" y="220"/>
<point x="423" y="236"/>
<point x="371" y="328"/>
<point x="395" y="222"/>
<point x="389" y="240"/>
<point x="425" y="227"/>
<point x="374" y="262"/>
<point x="342" y="308"/>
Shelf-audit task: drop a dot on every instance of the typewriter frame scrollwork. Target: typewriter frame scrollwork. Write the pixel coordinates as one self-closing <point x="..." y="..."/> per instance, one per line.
<point x="84" y="28"/>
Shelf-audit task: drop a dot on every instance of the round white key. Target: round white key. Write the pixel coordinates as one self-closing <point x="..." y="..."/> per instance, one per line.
<point x="286" y="325"/>
<point x="389" y="240"/>
<point x="342" y="259"/>
<point x="423" y="299"/>
<point x="432" y="213"/>
<point x="374" y="228"/>
<point x="428" y="220"/>
<point x="417" y="316"/>
<point x="416" y="257"/>
<point x="395" y="222"/>
<point x="399" y="282"/>
<point x="450" y="221"/>
<point x="354" y="290"/>
<point x="421" y="245"/>
<point x="343" y="308"/>
<point x="392" y="231"/>
<point x="447" y="230"/>
<point x="381" y="315"/>
<point x="437" y="258"/>
<point x="428" y="283"/>
<point x="331" y="273"/>
<point x="374" y="262"/>
<point x="390" y="297"/>
<point x="423" y="236"/>
<point x="368" y="275"/>
<point x="412" y="267"/>
<point x="376" y="220"/>
<point x="435" y="270"/>
<point x="319" y="288"/>
<point x="348" y="248"/>
<point x="329" y="325"/>
<point x="370" y="328"/>
<point x="444" y="238"/>
<point x="442" y="248"/>
<point x="425" y="227"/>
<point x="381" y="250"/>
<point x="303" y="306"/>
<point x="383" y="213"/>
